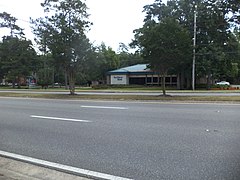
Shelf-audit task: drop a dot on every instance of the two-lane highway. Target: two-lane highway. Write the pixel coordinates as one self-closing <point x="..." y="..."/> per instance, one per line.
<point x="136" y="140"/>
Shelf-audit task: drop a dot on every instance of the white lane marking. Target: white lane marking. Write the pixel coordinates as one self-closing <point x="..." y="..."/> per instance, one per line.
<point x="60" y="119"/>
<point x="61" y="167"/>
<point x="104" y="107"/>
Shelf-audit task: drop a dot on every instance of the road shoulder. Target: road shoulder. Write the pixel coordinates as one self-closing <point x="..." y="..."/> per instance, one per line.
<point x="16" y="170"/>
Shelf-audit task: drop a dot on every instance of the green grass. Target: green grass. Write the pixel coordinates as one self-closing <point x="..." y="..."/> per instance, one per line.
<point x="118" y="89"/>
<point x="122" y="97"/>
<point x="127" y="97"/>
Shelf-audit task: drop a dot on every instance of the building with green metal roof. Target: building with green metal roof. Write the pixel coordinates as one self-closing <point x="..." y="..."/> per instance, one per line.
<point x="139" y="74"/>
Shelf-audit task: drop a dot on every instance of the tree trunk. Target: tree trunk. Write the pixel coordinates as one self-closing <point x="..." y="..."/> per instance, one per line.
<point x="208" y="80"/>
<point x="71" y="82"/>
<point x="178" y="81"/>
<point x="182" y="79"/>
<point x="13" y="84"/>
<point x="71" y="88"/>
<point x="18" y="82"/>
<point x="66" y="79"/>
<point x="164" y="84"/>
<point x="53" y="78"/>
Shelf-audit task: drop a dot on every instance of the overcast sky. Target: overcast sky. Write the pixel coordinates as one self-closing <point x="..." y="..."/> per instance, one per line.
<point x="113" y="20"/>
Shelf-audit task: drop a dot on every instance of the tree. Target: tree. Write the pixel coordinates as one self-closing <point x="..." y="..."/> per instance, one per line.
<point x="18" y="58"/>
<point x="105" y="60"/>
<point x="9" y="22"/>
<point x="215" y="20"/>
<point x="17" y="55"/>
<point x="63" y="34"/>
<point x="164" y="44"/>
<point x="45" y="72"/>
<point x="216" y="44"/>
<point x="182" y="11"/>
<point x="127" y="58"/>
<point x="109" y="60"/>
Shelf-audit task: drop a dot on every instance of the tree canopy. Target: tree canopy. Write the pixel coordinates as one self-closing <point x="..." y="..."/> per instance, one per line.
<point x="217" y="45"/>
<point x="9" y="22"/>
<point x="17" y="55"/>
<point x="164" y="44"/>
<point x="62" y="33"/>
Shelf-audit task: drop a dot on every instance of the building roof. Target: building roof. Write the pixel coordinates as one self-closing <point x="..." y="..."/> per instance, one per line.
<point x="135" y="69"/>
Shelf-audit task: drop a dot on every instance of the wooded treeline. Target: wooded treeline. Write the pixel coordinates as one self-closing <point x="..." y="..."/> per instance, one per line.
<point x="65" y="55"/>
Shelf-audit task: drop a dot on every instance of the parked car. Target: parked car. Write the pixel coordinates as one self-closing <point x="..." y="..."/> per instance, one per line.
<point x="223" y="83"/>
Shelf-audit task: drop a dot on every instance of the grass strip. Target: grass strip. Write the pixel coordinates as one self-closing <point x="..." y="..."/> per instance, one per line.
<point x="125" y="97"/>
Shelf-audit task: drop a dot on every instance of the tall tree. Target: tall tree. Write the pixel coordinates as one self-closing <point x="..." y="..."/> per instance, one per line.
<point x="45" y="71"/>
<point x="18" y="58"/>
<point x="106" y="60"/>
<point x="17" y="55"/>
<point x="215" y="19"/>
<point x="127" y="58"/>
<point x="215" y="42"/>
<point x="62" y="32"/>
<point x="164" y="44"/>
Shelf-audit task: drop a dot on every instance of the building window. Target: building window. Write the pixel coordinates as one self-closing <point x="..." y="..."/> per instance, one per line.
<point x="137" y="81"/>
<point x="167" y="80"/>
<point x="149" y="80"/>
<point x="174" y="80"/>
<point x="155" y="79"/>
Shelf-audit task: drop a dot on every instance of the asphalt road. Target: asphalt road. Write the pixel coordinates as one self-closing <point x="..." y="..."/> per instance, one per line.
<point x="134" y="140"/>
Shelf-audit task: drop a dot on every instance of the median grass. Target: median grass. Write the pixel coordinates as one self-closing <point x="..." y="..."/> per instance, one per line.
<point x="125" y="97"/>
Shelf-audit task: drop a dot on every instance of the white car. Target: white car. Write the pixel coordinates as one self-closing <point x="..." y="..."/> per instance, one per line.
<point x="223" y="83"/>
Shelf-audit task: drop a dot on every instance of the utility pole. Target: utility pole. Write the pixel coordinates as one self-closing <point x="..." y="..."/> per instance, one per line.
<point x="194" y="48"/>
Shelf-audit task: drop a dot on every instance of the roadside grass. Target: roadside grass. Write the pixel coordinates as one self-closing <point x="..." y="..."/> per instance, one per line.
<point x="117" y="89"/>
<point x="235" y="99"/>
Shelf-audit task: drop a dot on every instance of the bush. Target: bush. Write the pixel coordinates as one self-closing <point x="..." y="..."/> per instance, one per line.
<point x="145" y="87"/>
<point x="220" y="86"/>
<point x="108" y="86"/>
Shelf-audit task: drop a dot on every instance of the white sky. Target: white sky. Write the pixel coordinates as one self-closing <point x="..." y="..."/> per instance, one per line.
<point x="113" y="20"/>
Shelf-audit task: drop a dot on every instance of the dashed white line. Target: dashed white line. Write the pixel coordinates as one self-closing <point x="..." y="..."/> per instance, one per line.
<point x="104" y="107"/>
<point x="61" y="167"/>
<point x="59" y="119"/>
